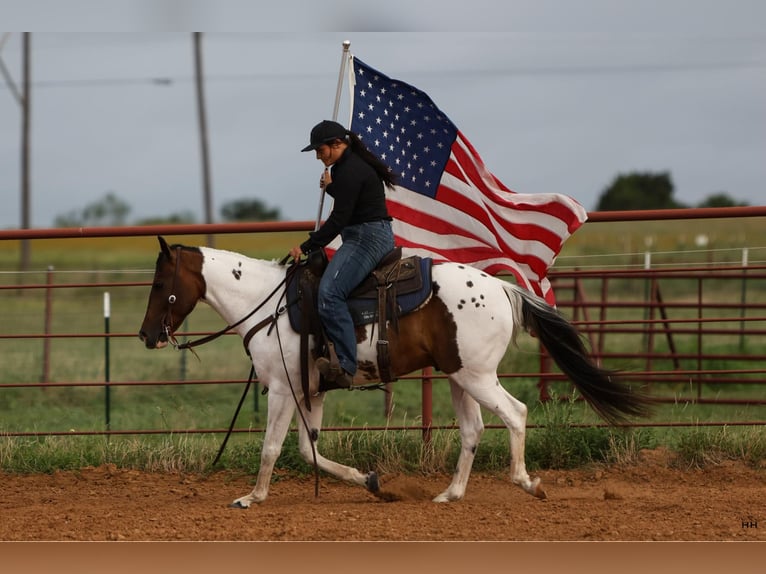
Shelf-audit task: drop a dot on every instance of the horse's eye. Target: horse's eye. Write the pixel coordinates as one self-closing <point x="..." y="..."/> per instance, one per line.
<point x="158" y="285"/>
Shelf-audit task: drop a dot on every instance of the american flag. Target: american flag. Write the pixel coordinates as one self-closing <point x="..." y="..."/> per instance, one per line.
<point x="447" y="205"/>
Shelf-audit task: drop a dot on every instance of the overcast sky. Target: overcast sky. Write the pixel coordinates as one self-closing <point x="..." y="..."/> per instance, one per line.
<point x="555" y="96"/>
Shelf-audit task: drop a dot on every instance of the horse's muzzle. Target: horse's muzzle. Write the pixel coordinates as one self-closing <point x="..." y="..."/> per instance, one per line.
<point x="158" y="342"/>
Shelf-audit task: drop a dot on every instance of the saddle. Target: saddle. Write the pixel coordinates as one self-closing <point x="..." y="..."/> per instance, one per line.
<point x="397" y="286"/>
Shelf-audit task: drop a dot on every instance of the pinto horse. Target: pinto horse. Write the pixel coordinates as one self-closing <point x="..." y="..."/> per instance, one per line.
<point x="463" y="330"/>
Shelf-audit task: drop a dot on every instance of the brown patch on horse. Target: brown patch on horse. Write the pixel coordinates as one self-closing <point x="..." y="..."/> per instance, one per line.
<point x="177" y="273"/>
<point x="360" y="333"/>
<point x="369" y="369"/>
<point x="427" y="337"/>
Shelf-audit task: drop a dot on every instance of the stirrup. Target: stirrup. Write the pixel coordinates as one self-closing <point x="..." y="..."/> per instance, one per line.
<point x="329" y="370"/>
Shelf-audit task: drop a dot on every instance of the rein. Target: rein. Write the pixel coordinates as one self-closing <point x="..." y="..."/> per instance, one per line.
<point x="271" y="319"/>
<point x="190" y="344"/>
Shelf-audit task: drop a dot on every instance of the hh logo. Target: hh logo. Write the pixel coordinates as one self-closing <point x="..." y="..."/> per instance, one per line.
<point x="749" y="522"/>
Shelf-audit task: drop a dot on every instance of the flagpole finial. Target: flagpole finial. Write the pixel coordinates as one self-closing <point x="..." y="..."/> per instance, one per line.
<point x="346" y="45"/>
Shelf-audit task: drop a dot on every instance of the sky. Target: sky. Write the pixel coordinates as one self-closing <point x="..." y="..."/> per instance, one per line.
<point x="555" y="96"/>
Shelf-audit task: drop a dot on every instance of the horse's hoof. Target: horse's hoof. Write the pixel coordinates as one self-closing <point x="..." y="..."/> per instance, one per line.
<point x="371" y="482"/>
<point x="537" y="489"/>
<point x="237" y="504"/>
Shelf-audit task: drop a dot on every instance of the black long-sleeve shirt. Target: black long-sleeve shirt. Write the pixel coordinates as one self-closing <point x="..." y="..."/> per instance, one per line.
<point x="359" y="197"/>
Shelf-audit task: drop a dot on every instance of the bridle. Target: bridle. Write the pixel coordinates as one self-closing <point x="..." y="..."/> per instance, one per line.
<point x="167" y="318"/>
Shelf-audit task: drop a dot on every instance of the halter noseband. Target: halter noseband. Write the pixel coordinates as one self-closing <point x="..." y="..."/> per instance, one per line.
<point x="167" y="322"/>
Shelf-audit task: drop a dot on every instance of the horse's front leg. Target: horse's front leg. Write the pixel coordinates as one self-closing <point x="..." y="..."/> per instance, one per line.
<point x="468" y="414"/>
<point x="280" y="411"/>
<point x="307" y="444"/>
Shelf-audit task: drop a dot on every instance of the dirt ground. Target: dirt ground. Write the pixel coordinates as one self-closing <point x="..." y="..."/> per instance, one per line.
<point x="643" y="502"/>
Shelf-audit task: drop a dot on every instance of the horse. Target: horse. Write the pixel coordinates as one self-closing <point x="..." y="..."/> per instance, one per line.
<point x="463" y="330"/>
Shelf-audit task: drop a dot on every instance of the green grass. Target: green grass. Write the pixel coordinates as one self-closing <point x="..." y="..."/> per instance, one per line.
<point x="560" y="442"/>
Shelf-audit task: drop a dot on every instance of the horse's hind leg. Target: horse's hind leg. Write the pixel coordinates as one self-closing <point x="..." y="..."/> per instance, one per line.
<point x="513" y="413"/>
<point x="517" y="430"/>
<point x="280" y="412"/>
<point x="468" y="414"/>
<point x="307" y="437"/>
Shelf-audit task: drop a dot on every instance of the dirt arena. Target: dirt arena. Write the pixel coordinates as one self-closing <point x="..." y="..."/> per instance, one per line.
<point x="650" y="501"/>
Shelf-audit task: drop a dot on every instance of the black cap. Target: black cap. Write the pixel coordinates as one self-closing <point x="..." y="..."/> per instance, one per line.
<point x="325" y="131"/>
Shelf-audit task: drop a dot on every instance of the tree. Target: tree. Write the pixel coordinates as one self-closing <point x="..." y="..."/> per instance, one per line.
<point x="109" y="211"/>
<point x="172" y="219"/>
<point x="248" y="210"/>
<point x="721" y="199"/>
<point x="637" y="190"/>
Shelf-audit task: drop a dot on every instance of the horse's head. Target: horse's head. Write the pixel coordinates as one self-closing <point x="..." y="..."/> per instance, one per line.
<point x="178" y="285"/>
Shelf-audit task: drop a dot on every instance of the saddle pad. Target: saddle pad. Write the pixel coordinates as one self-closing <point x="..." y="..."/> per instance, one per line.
<point x="365" y="310"/>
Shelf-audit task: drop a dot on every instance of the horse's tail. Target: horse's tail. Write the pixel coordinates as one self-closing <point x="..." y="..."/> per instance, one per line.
<point x="610" y="397"/>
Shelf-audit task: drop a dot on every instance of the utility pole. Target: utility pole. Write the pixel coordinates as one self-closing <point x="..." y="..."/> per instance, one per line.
<point x="25" y="132"/>
<point x="206" y="187"/>
<point x="23" y="99"/>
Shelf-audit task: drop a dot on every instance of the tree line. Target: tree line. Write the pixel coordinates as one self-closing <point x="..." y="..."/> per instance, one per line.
<point x="648" y="190"/>
<point x="112" y="211"/>
<point x="630" y="191"/>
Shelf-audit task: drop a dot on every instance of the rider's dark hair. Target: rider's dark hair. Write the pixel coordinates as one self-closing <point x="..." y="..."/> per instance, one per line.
<point x="384" y="172"/>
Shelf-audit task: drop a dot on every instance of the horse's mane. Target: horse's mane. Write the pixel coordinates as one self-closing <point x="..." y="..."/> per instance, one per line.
<point x="271" y="262"/>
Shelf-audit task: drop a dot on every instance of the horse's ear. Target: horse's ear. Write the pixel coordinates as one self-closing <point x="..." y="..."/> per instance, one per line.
<point x="164" y="246"/>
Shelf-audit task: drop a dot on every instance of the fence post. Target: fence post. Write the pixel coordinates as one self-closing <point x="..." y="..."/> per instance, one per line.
<point x="427" y="404"/>
<point x="647" y="294"/>
<point x="743" y="299"/>
<point x="107" y="388"/>
<point x="182" y="358"/>
<point x="45" y="377"/>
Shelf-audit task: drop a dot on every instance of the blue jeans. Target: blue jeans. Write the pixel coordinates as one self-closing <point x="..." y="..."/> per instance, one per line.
<point x="364" y="245"/>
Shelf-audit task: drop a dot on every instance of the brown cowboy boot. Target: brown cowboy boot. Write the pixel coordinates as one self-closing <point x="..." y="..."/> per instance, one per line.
<point x="333" y="373"/>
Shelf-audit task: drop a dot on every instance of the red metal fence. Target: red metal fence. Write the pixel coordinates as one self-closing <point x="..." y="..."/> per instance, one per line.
<point x="675" y="340"/>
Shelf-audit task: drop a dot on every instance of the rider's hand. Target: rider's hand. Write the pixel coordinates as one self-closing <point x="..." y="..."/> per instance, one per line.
<point x="296" y="253"/>
<point x="325" y="179"/>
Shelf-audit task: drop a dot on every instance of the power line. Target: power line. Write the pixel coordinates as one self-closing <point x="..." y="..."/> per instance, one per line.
<point x="518" y="71"/>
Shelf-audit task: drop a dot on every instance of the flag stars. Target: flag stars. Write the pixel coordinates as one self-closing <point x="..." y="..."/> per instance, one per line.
<point x="402" y="123"/>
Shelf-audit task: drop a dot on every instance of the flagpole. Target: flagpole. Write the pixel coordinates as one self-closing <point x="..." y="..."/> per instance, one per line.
<point x="344" y="57"/>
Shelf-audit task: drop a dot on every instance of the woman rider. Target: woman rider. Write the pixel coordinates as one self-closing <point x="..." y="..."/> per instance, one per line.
<point x="355" y="178"/>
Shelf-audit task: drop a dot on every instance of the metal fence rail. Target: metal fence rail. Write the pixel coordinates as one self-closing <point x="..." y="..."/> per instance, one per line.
<point x="676" y="339"/>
